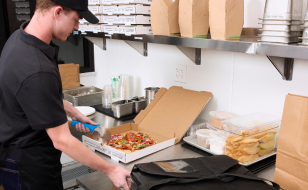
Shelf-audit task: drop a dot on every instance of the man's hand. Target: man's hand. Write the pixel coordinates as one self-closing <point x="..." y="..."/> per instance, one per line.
<point x="83" y="119"/>
<point x="76" y="115"/>
<point x="118" y="176"/>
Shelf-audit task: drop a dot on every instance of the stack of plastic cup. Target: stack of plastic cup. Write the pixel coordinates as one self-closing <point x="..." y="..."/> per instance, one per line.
<point x="124" y="88"/>
<point x="107" y="98"/>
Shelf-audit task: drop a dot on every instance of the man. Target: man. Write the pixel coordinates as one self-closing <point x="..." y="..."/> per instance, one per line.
<point x="33" y="124"/>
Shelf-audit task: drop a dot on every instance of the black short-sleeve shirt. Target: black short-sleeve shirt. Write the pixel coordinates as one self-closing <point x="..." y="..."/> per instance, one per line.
<point x="30" y="91"/>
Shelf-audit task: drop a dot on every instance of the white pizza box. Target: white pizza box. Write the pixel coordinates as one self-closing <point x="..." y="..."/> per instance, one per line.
<point x="109" y="2"/>
<point x="131" y="30"/>
<point x="126" y="19"/>
<point x="95" y="28"/>
<point x="112" y="29"/>
<point x="124" y="9"/>
<point x="166" y="120"/>
<point x="94" y="9"/>
<point x="93" y="2"/>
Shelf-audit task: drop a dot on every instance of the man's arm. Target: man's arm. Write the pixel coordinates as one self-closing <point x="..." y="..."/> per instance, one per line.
<point x="76" y="115"/>
<point x="64" y="141"/>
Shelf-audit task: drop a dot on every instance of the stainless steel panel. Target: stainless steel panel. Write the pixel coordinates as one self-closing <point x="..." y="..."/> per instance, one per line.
<point x="122" y="108"/>
<point x="84" y="96"/>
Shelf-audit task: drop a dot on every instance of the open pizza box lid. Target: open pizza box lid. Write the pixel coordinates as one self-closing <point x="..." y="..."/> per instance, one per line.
<point x="172" y="112"/>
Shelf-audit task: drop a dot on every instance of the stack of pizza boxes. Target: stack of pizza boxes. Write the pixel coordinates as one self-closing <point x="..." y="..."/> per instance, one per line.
<point x="166" y="120"/>
<point x="127" y="17"/>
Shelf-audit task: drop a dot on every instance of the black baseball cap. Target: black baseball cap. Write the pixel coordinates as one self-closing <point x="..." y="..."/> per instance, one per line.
<point x="81" y="6"/>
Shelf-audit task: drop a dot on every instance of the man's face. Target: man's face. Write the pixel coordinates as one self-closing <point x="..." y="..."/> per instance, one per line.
<point x="66" y="23"/>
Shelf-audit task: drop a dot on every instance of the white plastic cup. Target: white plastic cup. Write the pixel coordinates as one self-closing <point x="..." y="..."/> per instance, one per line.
<point x="107" y="98"/>
<point x="124" y="88"/>
<point x="202" y="137"/>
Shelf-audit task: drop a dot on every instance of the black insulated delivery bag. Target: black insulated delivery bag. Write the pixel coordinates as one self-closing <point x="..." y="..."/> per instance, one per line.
<point x="205" y="173"/>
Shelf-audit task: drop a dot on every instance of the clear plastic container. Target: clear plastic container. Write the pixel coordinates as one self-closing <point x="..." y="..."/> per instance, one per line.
<point x="197" y="124"/>
<point x="218" y="116"/>
<point x="203" y="136"/>
<point x="251" y="137"/>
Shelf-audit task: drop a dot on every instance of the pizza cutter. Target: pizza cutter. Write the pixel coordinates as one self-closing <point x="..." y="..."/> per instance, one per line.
<point x="90" y="127"/>
<point x="102" y="134"/>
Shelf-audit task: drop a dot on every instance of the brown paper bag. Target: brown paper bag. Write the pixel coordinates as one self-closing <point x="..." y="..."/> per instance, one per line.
<point x="194" y="18"/>
<point x="165" y="17"/>
<point x="69" y="75"/>
<point x="226" y="19"/>
<point x="292" y="154"/>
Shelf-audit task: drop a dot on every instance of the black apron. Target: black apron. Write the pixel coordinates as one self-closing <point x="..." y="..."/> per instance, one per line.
<point x="39" y="166"/>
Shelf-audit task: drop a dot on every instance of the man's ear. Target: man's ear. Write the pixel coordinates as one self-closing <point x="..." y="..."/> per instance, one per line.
<point x="58" y="10"/>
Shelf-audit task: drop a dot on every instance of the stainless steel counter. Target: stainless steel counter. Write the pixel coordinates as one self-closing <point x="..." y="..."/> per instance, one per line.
<point x="98" y="180"/>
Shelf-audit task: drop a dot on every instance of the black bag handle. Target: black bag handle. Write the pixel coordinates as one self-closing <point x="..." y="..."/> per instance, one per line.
<point x="149" y="185"/>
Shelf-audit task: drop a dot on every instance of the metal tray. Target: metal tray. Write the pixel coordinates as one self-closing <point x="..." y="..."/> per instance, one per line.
<point x="283" y="9"/>
<point x="192" y="140"/>
<point x="281" y="33"/>
<point x="83" y="96"/>
<point x="279" y="39"/>
<point x="281" y="27"/>
<point x="139" y="105"/>
<point x="120" y="108"/>
<point x="280" y="21"/>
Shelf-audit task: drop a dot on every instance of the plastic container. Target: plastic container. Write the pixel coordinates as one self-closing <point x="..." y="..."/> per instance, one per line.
<point x="203" y="135"/>
<point x="197" y="124"/>
<point x="218" y="116"/>
<point x="251" y="136"/>
<point x="107" y="99"/>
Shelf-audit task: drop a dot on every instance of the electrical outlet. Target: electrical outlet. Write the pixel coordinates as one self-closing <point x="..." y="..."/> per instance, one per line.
<point x="180" y="73"/>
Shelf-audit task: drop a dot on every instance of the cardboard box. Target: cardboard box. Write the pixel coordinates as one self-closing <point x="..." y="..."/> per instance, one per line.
<point x="127" y="20"/>
<point x="226" y="19"/>
<point x="166" y="120"/>
<point x="93" y="2"/>
<point x="94" y="9"/>
<point x="165" y="17"/>
<point x="124" y="9"/>
<point x="133" y="30"/>
<point x="292" y="164"/>
<point x="194" y="18"/>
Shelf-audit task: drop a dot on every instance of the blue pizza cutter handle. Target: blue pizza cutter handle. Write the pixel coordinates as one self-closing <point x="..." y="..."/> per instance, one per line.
<point x="90" y="127"/>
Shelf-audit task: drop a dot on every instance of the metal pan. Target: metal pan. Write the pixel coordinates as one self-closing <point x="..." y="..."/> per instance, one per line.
<point x="282" y="21"/>
<point x="283" y="9"/>
<point x="281" y="33"/>
<point x="279" y="39"/>
<point x="284" y="27"/>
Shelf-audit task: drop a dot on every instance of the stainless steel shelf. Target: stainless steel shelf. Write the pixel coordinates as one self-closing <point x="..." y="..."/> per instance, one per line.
<point x="249" y="43"/>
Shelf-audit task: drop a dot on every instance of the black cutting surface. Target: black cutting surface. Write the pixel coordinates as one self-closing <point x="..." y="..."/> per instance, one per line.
<point x="254" y="168"/>
<point x="109" y="112"/>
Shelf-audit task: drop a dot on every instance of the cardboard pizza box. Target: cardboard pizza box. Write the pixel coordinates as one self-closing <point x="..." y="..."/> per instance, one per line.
<point x="166" y="120"/>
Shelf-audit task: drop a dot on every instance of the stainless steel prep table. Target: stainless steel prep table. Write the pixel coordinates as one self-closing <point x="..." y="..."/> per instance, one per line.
<point x="98" y="180"/>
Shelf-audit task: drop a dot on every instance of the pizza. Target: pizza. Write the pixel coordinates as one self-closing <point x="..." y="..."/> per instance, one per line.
<point x="130" y="142"/>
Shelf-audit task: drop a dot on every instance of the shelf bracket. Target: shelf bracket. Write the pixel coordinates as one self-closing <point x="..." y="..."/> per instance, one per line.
<point x="194" y="54"/>
<point x="284" y="66"/>
<point x="140" y="47"/>
<point x="100" y="42"/>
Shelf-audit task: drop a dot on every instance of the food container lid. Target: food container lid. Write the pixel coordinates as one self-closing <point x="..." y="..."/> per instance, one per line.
<point x="251" y="124"/>
<point x="223" y="114"/>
